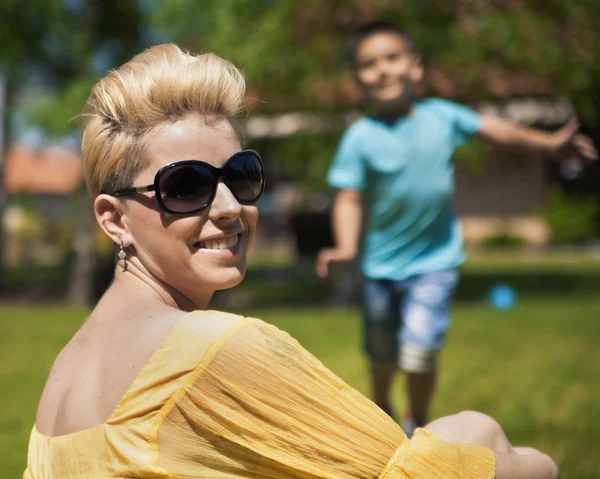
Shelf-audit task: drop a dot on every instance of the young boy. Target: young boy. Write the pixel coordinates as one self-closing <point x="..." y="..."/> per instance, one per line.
<point x="394" y="174"/>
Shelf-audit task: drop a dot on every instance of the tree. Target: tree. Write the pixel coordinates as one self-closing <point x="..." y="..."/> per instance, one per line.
<point x="292" y="51"/>
<point x="22" y="52"/>
<point x="293" y="55"/>
<point x="113" y="29"/>
<point x="68" y="45"/>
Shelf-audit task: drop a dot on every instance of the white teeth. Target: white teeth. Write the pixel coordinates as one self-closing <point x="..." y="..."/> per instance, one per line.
<point x="219" y="244"/>
<point x="231" y="242"/>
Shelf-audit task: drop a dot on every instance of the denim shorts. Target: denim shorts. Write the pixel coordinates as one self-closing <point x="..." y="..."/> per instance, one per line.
<point x="411" y="311"/>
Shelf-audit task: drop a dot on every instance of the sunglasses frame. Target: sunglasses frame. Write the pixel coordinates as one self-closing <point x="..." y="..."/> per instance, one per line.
<point x="217" y="172"/>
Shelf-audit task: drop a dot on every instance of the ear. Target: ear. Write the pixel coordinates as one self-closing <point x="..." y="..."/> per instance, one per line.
<point x="109" y="215"/>
<point x="417" y="71"/>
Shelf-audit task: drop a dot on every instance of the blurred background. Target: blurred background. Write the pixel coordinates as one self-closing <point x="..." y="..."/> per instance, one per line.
<point x="529" y="224"/>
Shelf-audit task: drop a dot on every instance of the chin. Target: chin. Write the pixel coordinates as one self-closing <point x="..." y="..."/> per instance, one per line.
<point x="395" y="97"/>
<point x="229" y="279"/>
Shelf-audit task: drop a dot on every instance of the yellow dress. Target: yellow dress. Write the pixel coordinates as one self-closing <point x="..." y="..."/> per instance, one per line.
<point x="233" y="397"/>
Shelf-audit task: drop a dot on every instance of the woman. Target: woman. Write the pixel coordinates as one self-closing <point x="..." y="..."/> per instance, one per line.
<point x="154" y="384"/>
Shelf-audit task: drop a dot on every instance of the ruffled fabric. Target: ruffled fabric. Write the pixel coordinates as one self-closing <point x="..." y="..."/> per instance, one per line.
<point x="431" y="457"/>
<point x="231" y="397"/>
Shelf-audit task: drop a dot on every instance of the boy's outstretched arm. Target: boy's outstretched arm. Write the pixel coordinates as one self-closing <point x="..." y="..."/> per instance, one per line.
<point x="560" y="144"/>
<point x="347" y="224"/>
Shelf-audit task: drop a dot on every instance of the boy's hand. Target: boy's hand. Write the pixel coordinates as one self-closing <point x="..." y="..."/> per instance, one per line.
<point x="330" y="257"/>
<point x="566" y="143"/>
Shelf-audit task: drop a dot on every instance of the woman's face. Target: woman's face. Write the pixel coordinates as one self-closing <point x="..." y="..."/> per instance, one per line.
<point x="205" y="251"/>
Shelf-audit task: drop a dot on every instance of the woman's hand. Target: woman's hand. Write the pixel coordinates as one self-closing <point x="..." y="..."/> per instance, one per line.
<point x="525" y="462"/>
<point x="470" y="427"/>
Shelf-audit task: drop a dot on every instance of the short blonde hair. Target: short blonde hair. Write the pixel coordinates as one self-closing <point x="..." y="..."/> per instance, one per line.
<point x="161" y="85"/>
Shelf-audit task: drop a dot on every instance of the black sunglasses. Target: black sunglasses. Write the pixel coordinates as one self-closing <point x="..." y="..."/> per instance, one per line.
<point x="188" y="186"/>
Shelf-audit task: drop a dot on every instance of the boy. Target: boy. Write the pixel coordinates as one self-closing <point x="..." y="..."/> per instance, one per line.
<point x="394" y="174"/>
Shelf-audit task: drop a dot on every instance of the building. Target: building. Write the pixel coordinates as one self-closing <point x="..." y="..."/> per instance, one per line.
<point x="40" y="183"/>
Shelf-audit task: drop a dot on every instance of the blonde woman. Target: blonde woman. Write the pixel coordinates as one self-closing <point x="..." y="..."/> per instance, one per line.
<point x="155" y="385"/>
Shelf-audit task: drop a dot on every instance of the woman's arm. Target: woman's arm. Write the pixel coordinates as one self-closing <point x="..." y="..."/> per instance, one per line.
<point x="560" y="144"/>
<point x="260" y="405"/>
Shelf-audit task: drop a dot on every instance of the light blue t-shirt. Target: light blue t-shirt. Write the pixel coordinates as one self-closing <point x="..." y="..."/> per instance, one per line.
<point x="405" y="173"/>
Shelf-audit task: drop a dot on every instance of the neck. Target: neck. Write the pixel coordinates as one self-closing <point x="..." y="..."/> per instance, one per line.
<point x="394" y="112"/>
<point x="397" y="108"/>
<point x="134" y="279"/>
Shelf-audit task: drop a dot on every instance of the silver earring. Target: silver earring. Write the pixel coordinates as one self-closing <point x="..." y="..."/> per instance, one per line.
<point x="121" y="254"/>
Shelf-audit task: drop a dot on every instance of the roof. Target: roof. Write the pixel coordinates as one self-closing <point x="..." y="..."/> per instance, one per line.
<point x="54" y="169"/>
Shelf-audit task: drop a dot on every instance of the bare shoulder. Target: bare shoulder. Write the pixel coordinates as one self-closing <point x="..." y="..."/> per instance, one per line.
<point x="97" y="366"/>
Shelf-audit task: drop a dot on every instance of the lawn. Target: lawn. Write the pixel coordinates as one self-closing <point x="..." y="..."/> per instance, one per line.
<point x="535" y="368"/>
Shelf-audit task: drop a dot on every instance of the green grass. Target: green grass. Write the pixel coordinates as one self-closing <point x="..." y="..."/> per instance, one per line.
<point x="535" y="368"/>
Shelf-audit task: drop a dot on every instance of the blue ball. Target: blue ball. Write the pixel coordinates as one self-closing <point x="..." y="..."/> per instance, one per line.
<point x="502" y="297"/>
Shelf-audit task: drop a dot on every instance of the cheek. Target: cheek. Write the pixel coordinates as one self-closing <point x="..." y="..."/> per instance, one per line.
<point x="154" y="241"/>
<point x="250" y="218"/>
<point x="154" y="234"/>
<point x="366" y="78"/>
<point x="140" y="222"/>
<point x="402" y="68"/>
<point x="416" y="74"/>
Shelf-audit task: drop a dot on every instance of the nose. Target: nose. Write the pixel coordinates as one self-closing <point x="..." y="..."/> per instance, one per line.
<point x="224" y="207"/>
<point x="382" y="70"/>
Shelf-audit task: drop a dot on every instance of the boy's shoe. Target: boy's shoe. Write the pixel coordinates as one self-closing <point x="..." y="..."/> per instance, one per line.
<point x="409" y="425"/>
<point x="390" y="412"/>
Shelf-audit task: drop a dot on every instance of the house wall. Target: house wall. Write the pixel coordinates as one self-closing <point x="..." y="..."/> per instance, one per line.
<point x="505" y="197"/>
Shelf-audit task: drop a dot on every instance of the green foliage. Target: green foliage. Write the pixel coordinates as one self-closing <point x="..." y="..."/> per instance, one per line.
<point x="473" y="155"/>
<point x="295" y="48"/>
<point x="302" y="157"/>
<point x="570" y="218"/>
<point x="67" y="45"/>
<point x="257" y="36"/>
<point x="56" y="112"/>
<point x="23" y="32"/>
<point x="25" y="202"/>
<point x="503" y="240"/>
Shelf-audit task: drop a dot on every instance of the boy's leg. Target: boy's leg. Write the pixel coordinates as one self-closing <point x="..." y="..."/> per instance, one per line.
<point x="420" y="388"/>
<point x="382" y="377"/>
<point x="425" y="313"/>
<point x="380" y="326"/>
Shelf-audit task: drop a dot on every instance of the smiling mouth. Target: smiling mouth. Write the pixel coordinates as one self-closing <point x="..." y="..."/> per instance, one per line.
<point x="385" y="86"/>
<point x="219" y="243"/>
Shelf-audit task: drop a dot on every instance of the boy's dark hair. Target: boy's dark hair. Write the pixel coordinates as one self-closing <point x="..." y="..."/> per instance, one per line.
<point x="364" y="31"/>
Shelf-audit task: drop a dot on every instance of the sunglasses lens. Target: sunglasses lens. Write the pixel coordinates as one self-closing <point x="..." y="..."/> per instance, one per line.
<point x="245" y="177"/>
<point x="185" y="188"/>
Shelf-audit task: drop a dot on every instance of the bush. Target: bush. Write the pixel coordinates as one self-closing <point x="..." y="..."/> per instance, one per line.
<point x="570" y="218"/>
<point x="503" y="240"/>
<point x="301" y="157"/>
